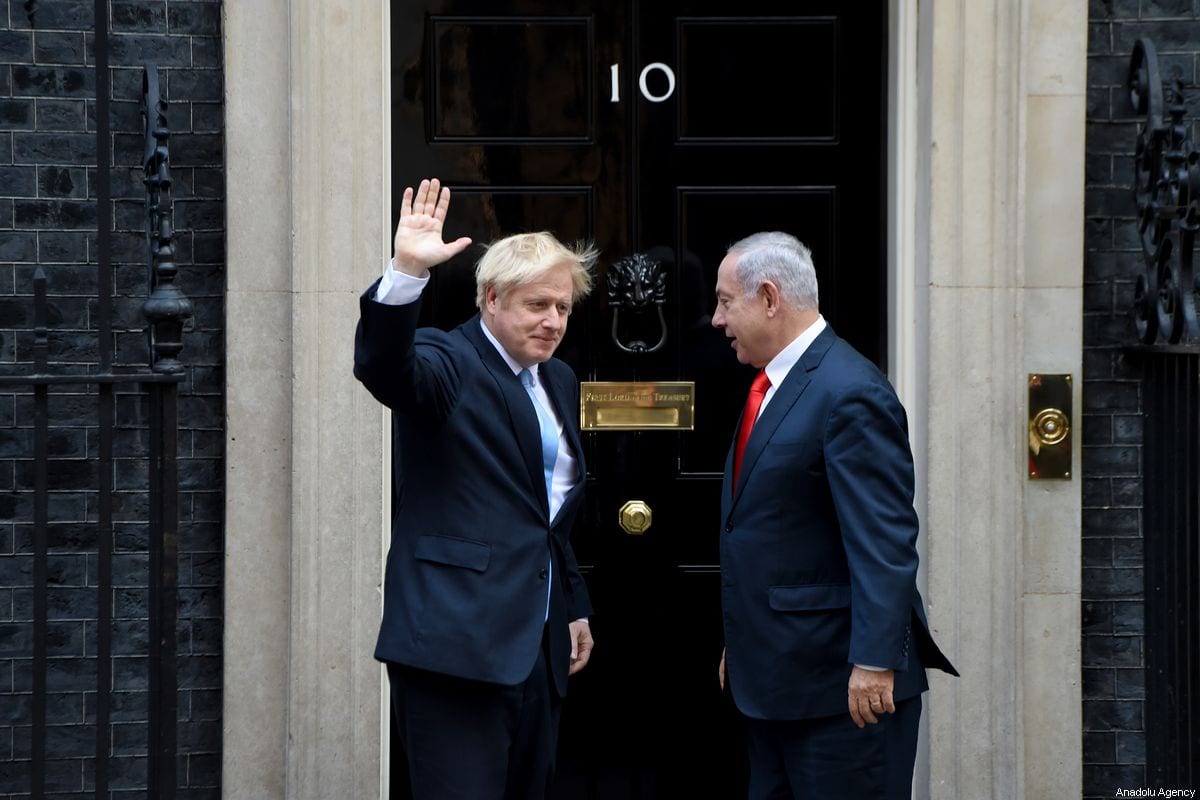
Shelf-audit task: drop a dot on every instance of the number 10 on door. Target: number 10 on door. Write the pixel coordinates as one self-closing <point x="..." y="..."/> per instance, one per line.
<point x="657" y="66"/>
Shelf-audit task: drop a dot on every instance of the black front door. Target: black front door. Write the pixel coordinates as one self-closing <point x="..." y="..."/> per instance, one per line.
<point x="671" y="129"/>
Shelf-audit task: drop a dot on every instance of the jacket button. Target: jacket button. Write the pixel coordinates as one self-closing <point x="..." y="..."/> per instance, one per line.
<point x="728" y="527"/>
<point x="542" y="574"/>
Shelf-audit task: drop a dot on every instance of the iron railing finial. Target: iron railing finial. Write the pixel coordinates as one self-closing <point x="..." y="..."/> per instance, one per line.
<point x="167" y="307"/>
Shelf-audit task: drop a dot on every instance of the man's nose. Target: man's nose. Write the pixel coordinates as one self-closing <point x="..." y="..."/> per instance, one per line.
<point x="718" y="321"/>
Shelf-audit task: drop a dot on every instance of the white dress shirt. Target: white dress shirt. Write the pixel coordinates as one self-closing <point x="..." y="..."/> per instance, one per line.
<point x="777" y="368"/>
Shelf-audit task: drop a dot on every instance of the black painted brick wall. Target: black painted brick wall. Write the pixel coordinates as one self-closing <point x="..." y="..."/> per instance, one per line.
<point x="1114" y="742"/>
<point x="47" y="217"/>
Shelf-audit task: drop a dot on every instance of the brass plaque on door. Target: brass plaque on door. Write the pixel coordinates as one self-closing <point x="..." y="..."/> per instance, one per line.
<point x="637" y="405"/>
<point x="1049" y="426"/>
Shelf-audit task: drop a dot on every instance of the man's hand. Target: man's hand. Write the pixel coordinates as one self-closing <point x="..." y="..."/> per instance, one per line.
<point x="581" y="645"/>
<point x="721" y="669"/>
<point x="419" y="244"/>
<point x="869" y="694"/>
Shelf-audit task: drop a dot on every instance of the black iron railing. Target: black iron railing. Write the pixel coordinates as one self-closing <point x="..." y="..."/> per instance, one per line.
<point x="1167" y="191"/>
<point x="166" y="309"/>
<point x="1170" y="517"/>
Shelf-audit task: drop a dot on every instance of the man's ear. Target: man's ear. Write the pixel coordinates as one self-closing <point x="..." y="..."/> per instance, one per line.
<point x="771" y="297"/>
<point x="490" y="299"/>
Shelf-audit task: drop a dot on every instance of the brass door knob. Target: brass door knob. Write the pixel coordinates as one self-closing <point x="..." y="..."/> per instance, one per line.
<point x="635" y="517"/>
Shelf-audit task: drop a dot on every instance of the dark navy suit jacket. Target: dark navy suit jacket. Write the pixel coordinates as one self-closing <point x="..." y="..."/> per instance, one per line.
<point x="466" y="583"/>
<point x="818" y="543"/>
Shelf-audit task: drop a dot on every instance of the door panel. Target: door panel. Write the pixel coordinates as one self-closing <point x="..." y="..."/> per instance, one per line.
<point x="472" y="101"/>
<point x="711" y="127"/>
<point x="725" y="96"/>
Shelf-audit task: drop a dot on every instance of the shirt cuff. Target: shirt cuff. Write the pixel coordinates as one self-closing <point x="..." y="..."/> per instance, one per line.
<point x="399" y="288"/>
<point x="871" y="669"/>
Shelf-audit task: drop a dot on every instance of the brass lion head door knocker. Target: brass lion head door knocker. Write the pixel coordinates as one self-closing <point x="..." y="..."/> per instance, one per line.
<point x="636" y="284"/>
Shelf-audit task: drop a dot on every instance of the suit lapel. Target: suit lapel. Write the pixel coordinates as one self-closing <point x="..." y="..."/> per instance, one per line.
<point x="525" y="427"/>
<point x="559" y="390"/>
<point x="781" y="403"/>
<point x="727" y="483"/>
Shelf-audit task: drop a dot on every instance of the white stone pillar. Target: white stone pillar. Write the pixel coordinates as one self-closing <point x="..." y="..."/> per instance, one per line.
<point x="1004" y="86"/>
<point x="307" y="165"/>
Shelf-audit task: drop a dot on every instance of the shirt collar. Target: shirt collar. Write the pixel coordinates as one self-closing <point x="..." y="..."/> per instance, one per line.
<point x="512" y="364"/>
<point x="778" y="367"/>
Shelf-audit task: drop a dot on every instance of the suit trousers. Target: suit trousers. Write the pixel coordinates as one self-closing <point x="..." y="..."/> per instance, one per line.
<point x="470" y="740"/>
<point x="829" y="758"/>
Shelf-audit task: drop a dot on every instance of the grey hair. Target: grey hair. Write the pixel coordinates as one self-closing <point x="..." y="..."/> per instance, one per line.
<point x="781" y="259"/>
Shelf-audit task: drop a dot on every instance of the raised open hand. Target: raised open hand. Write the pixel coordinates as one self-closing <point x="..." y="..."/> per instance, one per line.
<point x="419" y="244"/>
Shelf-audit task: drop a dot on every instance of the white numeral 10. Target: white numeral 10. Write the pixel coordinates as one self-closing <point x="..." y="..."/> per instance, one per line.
<point x="615" y="74"/>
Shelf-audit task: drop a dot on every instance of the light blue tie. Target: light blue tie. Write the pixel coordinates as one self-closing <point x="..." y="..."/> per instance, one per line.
<point x="549" y="456"/>
<point x="549" y="433"/>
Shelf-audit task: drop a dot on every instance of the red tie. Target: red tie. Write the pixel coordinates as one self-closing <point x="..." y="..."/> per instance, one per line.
<point x="758" y="390"/>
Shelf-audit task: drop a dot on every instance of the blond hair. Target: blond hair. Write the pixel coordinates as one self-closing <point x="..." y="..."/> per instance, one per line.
<point x="524" y="257"/>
